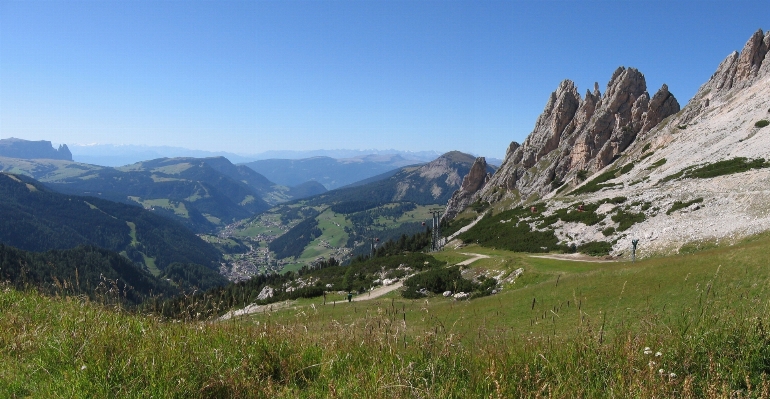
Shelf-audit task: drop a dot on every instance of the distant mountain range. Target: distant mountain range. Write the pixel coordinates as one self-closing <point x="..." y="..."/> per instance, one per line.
<point x="120" y="155"/>
<point x="17" y="148"/>
<point x="332" y="173"/>
<point x="431" y="183"/>
<point x="203" y="194"/>
<point x="340" y="223"/>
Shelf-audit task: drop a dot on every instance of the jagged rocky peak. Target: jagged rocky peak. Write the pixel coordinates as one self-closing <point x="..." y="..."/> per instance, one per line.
<point x="558" y="113"/>
<point x="752" y="55"/>
<point x="477" y="176"/>
<point x="575" y="133"/>
<point x="472" y="183"/>
<point x="737" y="71"/>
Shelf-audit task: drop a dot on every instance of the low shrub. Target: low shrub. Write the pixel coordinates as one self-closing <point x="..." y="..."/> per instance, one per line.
<point x="657" y="163"/>
<point x="440" y="280"/>
<point x="627" y="168"/>
<point x="727" y="167"/>
<point x="680" y="205"/>
<point x="504" y="231"/>
<point x="608" y="231"/>
<point x="479" y="206"/>
<point x="626" y="219"/>
<point x="598" y="183"/>
<point x="721" y="168"/>
<point x="588" y="216"/>
<point x="595" y="248"/>
<point x="762" y="123"/>
<point x="615" y="200"/>
<point x="647" y="155"/>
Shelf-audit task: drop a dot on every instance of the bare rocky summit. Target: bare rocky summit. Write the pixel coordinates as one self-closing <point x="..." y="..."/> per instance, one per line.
<point x="655" y="144"/>
<point x="576" y="133"/>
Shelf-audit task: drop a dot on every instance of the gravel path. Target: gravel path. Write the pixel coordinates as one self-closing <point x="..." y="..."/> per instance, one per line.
<point x="375" y="293"/>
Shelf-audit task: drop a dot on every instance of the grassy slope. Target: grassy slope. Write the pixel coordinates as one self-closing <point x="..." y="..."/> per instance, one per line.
<point x="332" y="234"/>
<point x="706" y="313"/>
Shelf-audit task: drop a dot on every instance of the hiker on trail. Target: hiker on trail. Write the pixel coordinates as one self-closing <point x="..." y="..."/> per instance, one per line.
<point x="324" y="297"/>
<point x="350" y="296"/>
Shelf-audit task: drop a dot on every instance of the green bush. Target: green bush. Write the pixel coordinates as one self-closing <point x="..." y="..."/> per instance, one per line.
<point x="440" y="280"/>
<point x="615" y="200"/>
<point x="657" y="163"/>
<point x="479" y="206"/>
<point x="582" y="174"/>
<point x="626" y="168"/>
<point x="608" y="231"/>
<point x="646" y="147"/>
<point x="721" y="168"/>
<point x="647" y="155"/>
<point x="588" y="216"/>
<point x="595" y="248"/>
<point x="597" y="183"/>
<point x="727" y="167"/>
<point x="680" y="205"/>
<point x="762" y="123"/>
<point x="626" y="219"/>
<point x="506" y="232"/>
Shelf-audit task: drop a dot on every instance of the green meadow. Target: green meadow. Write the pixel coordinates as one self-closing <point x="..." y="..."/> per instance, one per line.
<point x="685" y="326"/>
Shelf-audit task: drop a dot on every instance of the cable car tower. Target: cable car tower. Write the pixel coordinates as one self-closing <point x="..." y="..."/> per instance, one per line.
<point x="436" y="241"/>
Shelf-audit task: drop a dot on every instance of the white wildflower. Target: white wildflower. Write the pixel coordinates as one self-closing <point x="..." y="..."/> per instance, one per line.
<point x="658" y="354"/>
<point x="83" y="367"/>
<point x="647" y="350"/>
<point x="651" y="364"/>
<point x="661" y="371"/>
<point x="672" y="375"/>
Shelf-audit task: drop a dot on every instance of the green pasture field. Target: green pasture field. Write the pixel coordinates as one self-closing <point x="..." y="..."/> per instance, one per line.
<point x="686" y="326"/>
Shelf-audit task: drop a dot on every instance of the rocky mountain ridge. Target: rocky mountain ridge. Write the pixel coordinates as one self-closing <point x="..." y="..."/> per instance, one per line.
<point x="576" y="134"/>
<point x="430" y="183"/>
<point x="330" y="172"/>
<point x="648" y="156"/>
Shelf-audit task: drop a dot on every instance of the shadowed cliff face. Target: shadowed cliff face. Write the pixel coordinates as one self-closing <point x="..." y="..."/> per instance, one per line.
<point x="576" y="133"/>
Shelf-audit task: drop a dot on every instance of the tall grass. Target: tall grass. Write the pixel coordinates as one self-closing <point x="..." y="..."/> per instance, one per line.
<point x="704" y="318"/>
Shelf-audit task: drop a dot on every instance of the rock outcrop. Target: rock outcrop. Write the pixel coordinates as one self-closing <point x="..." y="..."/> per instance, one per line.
<point x="472" y="183"/>
<point x="736" y="72"/>
<point x="25" y="149"/>
<point x="576" y="133"/>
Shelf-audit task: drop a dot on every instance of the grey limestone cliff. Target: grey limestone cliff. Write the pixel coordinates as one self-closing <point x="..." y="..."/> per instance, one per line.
<point x="575" y="133"/>
<point x="736" y="72"/>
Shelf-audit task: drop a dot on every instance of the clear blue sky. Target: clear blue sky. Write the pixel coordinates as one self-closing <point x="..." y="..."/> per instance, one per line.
<point x="251" y="76"/>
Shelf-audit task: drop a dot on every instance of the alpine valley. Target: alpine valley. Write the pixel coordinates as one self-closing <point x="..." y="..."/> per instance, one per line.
<point x="619" y="251"/>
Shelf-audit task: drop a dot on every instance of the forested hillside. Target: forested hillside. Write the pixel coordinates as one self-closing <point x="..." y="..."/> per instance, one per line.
<point x="34" y="218"/>
<point x="204" y="194"/>
<point x="99" y="274"/>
